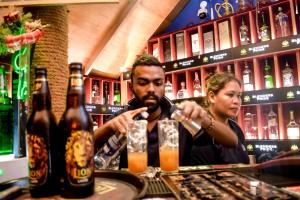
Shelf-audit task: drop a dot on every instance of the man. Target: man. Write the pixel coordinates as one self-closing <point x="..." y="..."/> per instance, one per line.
<point x="147" y="85"/>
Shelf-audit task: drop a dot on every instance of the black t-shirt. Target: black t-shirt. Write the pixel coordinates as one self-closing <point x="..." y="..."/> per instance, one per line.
<point x="206" y="152"/>
<point x="185" y="138"/>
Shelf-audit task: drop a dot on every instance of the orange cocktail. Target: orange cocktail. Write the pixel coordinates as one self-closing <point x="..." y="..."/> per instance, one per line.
<point x="168" y="158"/>
<point x="137" y="161"/>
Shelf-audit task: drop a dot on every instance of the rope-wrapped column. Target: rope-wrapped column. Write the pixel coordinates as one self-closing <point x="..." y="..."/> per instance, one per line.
<point x="52" y="51"/>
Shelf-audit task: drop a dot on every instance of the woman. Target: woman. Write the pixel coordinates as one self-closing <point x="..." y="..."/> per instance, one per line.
<point x="223" y="105"/>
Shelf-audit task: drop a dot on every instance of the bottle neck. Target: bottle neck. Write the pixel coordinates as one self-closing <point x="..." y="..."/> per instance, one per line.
<point x="75" y="94"/>
<point x="41" y="95"/>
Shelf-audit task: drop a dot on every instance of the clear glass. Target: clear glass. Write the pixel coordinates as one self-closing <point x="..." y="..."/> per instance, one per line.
<point x="269" y="83"/>
<point x="169" y="89"/>
<point x="182" y="93"/>
<point x="272" y="124"/>
<point x="168" y="145"/>
<point x="287" y="76"/>
<point x="292" y="127"/>
<point x="192" y="126"/>
<point x="137" y="146"/>
<point x="282" y="24"/>
<point x="197" y="86"/>
<point x="247" y="78"/>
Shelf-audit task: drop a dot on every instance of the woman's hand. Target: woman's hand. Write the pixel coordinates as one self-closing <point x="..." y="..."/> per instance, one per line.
<point x="192" y="110"/>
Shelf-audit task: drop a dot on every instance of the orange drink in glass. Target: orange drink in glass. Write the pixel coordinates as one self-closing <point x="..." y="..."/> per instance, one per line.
<point x="168" y="145"/>
<point x="169" y="158"/>
<point x="137" y="162"/>
<point x="137" y="146"/>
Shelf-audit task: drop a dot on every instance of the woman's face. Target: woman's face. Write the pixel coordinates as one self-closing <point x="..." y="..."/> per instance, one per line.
<point x="227" y="102"/>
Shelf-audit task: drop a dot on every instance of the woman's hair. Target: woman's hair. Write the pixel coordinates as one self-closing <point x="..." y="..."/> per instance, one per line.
<point x="217" y="82"/>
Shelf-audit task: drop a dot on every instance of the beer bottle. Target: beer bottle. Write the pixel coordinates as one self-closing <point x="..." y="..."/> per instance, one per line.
<point x="42" y="140"/>
<point x="76" y="128"/>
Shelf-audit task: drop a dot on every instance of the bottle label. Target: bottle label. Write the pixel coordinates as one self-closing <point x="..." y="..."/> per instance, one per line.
<point x="38" y="161"/>
<point x="38" y="83"/>
<point x="288" y="80"/>
<point x="246" y="78"/>
<point x="79" y="158"/>
<point x="76" y="80"/>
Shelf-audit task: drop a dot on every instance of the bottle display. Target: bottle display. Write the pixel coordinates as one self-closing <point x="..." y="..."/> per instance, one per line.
<point x="169" y="89"/>
<point x="292" y="127"/>
<point x="272" y="124"/>
<point x="197" y="86"/>
<point x="264" y="29"/>
<point x="117" y="95"/>
<point x="247" y="78"/>
<point x="77" y="147"/>
<point x="287" y="76"/>
<point x="243" y="33"/>
<point x="42" y="140"/>
<point x="269" y="83"/>
<point x="244" y="5"/>
<point x="282" y="23"/>
<point x="182" y="93"/>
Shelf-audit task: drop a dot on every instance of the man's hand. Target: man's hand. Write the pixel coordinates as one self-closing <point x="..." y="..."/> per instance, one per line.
<point x="119" y="123"/>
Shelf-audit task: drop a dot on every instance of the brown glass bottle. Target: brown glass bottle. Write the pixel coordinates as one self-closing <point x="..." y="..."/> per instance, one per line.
<point x="42" y="140"/>
<point x="77" y="148"/>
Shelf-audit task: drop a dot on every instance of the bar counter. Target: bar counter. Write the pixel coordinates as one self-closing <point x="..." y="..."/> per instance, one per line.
<point x="237" y="181"/>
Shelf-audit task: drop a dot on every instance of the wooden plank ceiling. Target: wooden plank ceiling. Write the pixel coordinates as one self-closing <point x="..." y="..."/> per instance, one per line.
<point x="107" y="37"/>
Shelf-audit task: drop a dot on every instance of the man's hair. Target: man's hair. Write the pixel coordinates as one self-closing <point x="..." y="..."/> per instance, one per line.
<point x="145" y="60"/>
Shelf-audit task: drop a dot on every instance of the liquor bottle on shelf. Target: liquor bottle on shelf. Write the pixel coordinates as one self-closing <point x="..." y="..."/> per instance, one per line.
<point x="292" y="127"/>
<point x="247" y="78"/>
<point x="182" y="93"/>
<point x="117" y="95"/>
<point x="169" y="89"/>
<point x="272" y="125"/>
<point x="106" y="93"/>
<point x="244" y="5"/>
<point x="264" y="29"/>
<point x="197" y="86"/>
<point x="282" y="23"/>
<point x="229" y="70"/>
<point x="243" y="32"/>
<point x="287" y="76"/>
<point x="268" y="76"/>
<point x="248" y="124"/>
<point x="96" y="99"/>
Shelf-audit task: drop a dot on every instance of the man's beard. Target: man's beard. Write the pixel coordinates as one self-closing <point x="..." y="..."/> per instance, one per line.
<point x="151" y="107"/>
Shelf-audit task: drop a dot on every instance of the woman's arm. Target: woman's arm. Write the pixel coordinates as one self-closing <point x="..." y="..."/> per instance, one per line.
<point x="222" y="133"/>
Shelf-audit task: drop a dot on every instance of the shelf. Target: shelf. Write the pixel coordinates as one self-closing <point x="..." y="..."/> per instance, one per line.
<point x="274" y="95"/>
<point x="98" y="109"/>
